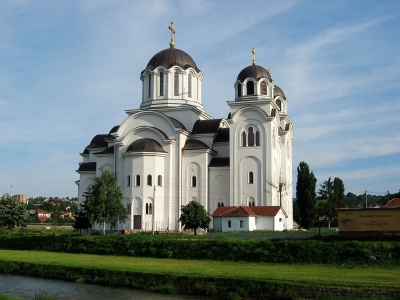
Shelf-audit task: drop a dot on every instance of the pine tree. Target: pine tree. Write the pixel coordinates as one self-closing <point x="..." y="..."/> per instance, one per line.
<point x="306" y="195"/>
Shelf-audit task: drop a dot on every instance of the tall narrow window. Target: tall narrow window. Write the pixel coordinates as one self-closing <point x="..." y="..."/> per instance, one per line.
<point x="263" y="88"/>
<point x="159" y="180"/>
<point x="161" y="83"/>
<point x="194" y="181"/>
<point x="229" y="223"/>
<point x="257" y="138"/>
<point x="147" y="208"/>
<point x="239" y="89"/>
<point x="137" y="180"/>
<point x="176" y="83"/>
<point x="250" y="88"/>
<point x="149" y="180"/>
<point x="190" y="85"/>
<point x="149" y="86"/>
<point x="241" y="224"/>
<point x="150" y="209"/>
<point x="250" y="179"/>
<point x="128" y="180"/>
<point x="278" y="102"/>
<point x="244" y="141"/>
<point x="251" y="136"/>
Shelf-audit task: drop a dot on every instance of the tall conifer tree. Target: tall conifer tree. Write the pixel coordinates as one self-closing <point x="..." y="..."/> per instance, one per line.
<point x="306" y="195"/>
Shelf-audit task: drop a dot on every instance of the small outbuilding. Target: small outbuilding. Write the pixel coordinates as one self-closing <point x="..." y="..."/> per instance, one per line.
<point x="249" y="218"/>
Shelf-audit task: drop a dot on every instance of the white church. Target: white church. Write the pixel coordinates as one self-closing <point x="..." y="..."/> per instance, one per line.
<point x="170" y="151"/>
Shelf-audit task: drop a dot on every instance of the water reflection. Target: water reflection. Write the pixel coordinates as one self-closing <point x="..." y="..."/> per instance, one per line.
<point x="26" y="287"/>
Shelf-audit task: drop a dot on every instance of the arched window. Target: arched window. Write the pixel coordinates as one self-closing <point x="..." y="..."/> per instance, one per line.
<point x="278" y="102"/>
<point x="239" y="89"/>
<point x="190" y="85"/>
<point x="149" y="180"/>
<point x="159" y="180"/>
<point x="263" y="88"/>
<point x="147" y="208"/>
<point x="251" y="136"/>
<point x="250" y="178"/>
<point x="161" y="83"/>
<point x="137" y="180"/>
<point x="244" y="140"/>
<point x="150" y="209"/>
<point x="128" y="180"/>
<point x="176" y="83"/>
<point x="250" y="88"/>
<point x="257" y="138"/>
<point x="149" y="86"/>
<point x="194" y="181"/>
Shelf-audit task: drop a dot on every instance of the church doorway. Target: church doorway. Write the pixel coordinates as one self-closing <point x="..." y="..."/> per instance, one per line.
<point x="137" y="222"/>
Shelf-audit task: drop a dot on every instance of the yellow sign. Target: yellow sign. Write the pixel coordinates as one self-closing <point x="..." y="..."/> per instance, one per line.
<point x="369" y="219"/>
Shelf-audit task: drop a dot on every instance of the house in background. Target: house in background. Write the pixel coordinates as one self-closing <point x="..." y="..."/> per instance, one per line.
<point x="42" y="215"/>
<point x="249" y="218"/>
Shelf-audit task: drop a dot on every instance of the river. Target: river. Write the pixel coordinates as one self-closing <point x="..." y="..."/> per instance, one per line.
<point x="25" y="287"/>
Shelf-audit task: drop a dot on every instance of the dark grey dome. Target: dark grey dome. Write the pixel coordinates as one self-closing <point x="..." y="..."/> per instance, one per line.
<point x="172" y="57"/>
<point x="145" y="145"/>
<point x="278" y="92"/>
<point x="255" y="72"/>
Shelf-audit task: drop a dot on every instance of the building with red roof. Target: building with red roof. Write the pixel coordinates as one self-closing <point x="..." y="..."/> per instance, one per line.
<point x="249" y="218"/>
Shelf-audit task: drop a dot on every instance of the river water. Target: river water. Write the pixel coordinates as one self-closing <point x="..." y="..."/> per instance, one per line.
<point x="25" y="287"/>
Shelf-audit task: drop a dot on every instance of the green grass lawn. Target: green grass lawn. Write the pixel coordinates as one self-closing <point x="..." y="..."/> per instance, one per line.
<point x="371" y="277"/>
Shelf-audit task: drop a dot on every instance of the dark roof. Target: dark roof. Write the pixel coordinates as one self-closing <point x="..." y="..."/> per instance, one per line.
<point x="255" y="72"/>
<point x="219" y="162"/>
<point x="206" y="126"/>
<point x="241" y="211"/>
<point x="114" y="129"/>
<point x="172" y="57"/>
<point x="99" y="141"/>
<point x="278" y="92"/>
<point x="109" y="150"/>
<point x="145" y="145"/>
<point x="88" y="166"/>
<point x="86" y="151"/>
<point x="193" y="144"/>
<point x="222" y="135"/>
<point x="176" y="123"/>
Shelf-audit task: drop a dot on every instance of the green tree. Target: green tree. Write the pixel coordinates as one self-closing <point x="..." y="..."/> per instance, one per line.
<point x="13" y="213"/>
<point x="81" y="221"/>
<point x="103" y="201"/>
<point x="306" y="195"/>
<point x="332" y="198"/>
<point x="193" y="216"/>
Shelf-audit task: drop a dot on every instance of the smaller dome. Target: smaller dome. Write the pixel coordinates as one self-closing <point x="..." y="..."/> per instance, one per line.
<point x="172" y="57"/>
<point x="255" y="72"/>
<point x="145" y="145"/>
<point x="278" y="92"/>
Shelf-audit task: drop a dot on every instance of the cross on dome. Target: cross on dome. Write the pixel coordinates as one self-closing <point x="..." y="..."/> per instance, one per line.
<point x="254" y="55"/>
<point x="171" y="27"/>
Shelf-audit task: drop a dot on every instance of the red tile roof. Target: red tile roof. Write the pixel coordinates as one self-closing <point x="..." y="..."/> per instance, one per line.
<point x="241" y="211"/>
<point x="395" y="202"/>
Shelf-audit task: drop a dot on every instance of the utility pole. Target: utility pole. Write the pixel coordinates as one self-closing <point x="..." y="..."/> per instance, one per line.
<point x="366" y="200"/>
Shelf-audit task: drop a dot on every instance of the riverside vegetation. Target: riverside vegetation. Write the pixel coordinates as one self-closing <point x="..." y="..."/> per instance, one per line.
<point x="221" y="267"/>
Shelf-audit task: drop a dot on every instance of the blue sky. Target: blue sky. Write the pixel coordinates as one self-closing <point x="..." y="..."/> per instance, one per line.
<point x="70" y="69"/>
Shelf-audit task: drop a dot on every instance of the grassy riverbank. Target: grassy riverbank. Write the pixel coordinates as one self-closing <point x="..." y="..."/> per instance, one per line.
<point x="210" y="278"/>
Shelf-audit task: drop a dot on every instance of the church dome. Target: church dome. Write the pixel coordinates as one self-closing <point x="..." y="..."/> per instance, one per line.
<point x="278" y="92"/>
<point x="255" y="72"/>
<point x="145" y="145"/>
<point x="172" y="57"/>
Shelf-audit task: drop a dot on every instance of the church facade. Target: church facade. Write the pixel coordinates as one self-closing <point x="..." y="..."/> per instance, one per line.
<point x="170" y="151"/>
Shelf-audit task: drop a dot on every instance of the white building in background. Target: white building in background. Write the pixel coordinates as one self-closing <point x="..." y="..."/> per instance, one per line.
<point x="170" y="151"/>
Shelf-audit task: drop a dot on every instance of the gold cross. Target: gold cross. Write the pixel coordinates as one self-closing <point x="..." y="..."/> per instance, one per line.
<point x="171" y="27"/>
<point x="254" y="55"/>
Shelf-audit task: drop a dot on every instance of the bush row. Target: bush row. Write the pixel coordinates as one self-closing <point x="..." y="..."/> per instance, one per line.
<point x="325" y="251"/>
<point x="222" y="288"/>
